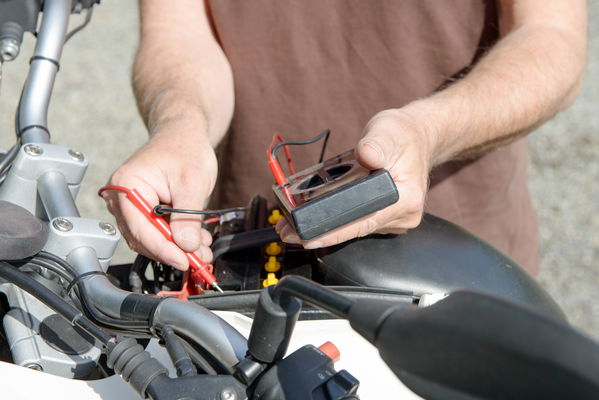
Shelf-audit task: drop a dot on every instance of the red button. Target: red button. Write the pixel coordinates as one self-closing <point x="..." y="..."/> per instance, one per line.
<point x="331" y="351"/>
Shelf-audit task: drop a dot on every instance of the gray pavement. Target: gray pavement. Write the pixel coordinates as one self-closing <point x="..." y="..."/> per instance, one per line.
<point x="93" y="111"/>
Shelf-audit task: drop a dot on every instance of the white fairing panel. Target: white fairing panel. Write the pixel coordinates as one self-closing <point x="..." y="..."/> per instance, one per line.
<point x="358" y="357"/>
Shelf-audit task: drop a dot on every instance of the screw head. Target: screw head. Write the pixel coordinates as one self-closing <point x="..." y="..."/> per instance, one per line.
<point x="33" y="149"/>
<point x="76" y="155"/>
<point x="34" y="366"/>
<point x="107" y="228"/>
<point x="227" y="395"/>
<point x="62" y="224"/>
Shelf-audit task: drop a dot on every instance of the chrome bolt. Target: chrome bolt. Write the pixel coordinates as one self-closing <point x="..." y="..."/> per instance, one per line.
<point x="227" y="395"/>
<point x="34" y="366"/>
<point x="33" y="150"/>
<point x="76" y="155"/>
<point x="62" y="224"/>
<point x="107" y="228"/>
<point x="9" y="49"/>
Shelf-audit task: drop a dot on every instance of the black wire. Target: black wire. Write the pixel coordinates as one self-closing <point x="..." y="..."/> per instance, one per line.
<point x="53" y="257"/>
<point x="160" y="210"/>
<point x="52" y="300"/>
<point x="324" y="134"/>
<point x="199" y="360"/>
<point x="88" y="17"/>
<point x="324" y="146"/>
<point x="92" y="311"/>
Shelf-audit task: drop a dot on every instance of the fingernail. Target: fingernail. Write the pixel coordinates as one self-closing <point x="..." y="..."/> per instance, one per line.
<point x="313" y="245"/>
<point x="292" y="239"/>
<point x="189" y="239"/>
<point x="182" y="267"/>
<point x="377" y="149"/>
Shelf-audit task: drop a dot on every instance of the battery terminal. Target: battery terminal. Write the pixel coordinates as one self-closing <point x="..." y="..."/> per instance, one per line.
<point x="274" y="249"/>
<point x="272" y="265"/>
<point x="270" y="280"/>
<point x="275" y="216"/>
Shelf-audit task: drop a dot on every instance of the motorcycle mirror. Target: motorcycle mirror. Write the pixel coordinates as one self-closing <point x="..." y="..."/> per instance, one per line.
<point x="471" y="345"/>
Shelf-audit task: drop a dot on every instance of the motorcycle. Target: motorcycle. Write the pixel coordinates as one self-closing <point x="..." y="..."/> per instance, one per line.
<point x="435" y="313"/>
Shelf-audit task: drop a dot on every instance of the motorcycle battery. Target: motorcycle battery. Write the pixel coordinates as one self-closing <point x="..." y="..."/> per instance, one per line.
<point x="333" y="193"/>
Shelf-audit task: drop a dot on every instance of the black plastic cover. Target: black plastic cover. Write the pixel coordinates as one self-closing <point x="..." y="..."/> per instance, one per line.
<point x="22" y="234"/>
<point x="435" y="257"/>
<point x="342" y="206"/>
<point x="475" y="346"/>
<point x="306" y="374"/>
<point x="21" y="14"/>
<point x="272" y="327"/>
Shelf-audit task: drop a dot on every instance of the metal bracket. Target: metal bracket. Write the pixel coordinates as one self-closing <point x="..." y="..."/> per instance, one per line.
<point x="69" y="233"/>
<point x="35" y="160"/>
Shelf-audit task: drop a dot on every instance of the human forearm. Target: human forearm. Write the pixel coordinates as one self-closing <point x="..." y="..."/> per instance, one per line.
<point x="181" y="78"/>
<point x="532" y="73"/>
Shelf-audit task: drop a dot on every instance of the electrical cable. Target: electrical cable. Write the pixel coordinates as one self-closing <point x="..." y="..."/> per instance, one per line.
<point x="273" y="162"/>
<point x="199" y="360"/>
<point x="179" y="356"/>
<point x="52" y="300"/>
<point x="88" y="17"/>
<point x="200" y="271"/>
<point x="324" y="134"/>
<point x="90" y="308"/>
<point x="161" y="210"/>
<point x="8" y="158"/>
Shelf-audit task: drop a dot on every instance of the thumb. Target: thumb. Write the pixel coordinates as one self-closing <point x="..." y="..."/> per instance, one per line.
<point x="187" y="227"/>
<point x="377" y="147"/>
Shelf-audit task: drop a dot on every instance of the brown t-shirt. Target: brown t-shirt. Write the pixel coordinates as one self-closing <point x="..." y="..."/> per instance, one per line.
<point x="303" y="66"/>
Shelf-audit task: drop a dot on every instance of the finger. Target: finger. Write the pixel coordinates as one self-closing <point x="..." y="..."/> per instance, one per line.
<point x="288" y="234"/>
<point x="378" y="147"/>
<point x="205" y="254"/>
<point x="359" y="228"/>
<point x="281" y="224"/>
<point x="398" y="217"/>
<point x="186" y="228"/>
<point x="206" y="238"/>
<point x="141" y="236"/>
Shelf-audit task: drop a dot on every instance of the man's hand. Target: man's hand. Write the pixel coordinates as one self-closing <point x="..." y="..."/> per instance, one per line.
<point x="534" y="71"/>
<point x="169" y="169"/>
<point x="395" y="141"/>
<point x="184" y="90"/>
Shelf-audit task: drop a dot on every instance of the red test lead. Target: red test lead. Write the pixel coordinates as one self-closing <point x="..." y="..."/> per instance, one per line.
<point x="196" y="265"/>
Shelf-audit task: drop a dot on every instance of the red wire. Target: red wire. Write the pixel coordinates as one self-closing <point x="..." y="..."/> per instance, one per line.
<point x="278" y="137"/>
<point x="197" y="266"/>
<point x="211" y="220"/>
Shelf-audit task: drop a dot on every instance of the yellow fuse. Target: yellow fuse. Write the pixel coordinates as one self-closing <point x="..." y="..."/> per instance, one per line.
<point x="272" y="265"/>
<point x="275" y="216"/>
<point x="273" y="249"/>
<point x="270" y="280"/>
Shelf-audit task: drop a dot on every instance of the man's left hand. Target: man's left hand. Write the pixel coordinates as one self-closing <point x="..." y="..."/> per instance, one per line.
<point x="393" y="140"/>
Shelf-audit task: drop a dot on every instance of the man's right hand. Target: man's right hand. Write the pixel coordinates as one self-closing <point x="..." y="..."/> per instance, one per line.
<point x="171" y="169"/>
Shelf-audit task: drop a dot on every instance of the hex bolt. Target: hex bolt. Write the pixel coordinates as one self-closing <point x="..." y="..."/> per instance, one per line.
<point x="76" y="155"/>
<point x="33" y="150"/>
<point x="9" y="49"/>
<point x="62" y="224"/>
<point x="107" y="228"/>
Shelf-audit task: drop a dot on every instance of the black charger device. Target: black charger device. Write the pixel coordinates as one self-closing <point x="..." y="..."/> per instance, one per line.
<point x="334" y="193"/>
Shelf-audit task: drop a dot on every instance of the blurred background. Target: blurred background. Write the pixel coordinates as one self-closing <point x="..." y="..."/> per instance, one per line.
<point x="93" y="111"/>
